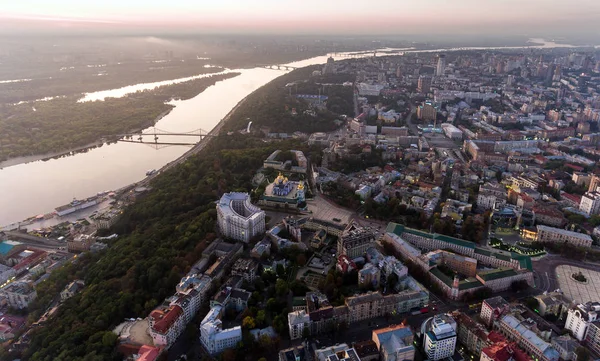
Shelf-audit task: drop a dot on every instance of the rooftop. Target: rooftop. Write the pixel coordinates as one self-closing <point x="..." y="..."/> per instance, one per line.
<point x="564" y="232"/>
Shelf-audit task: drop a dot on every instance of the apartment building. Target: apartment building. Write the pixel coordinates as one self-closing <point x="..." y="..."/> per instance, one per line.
<point x="355" y="241"/>
<point x="19" y="294"/>
<point x="212" y="335"/>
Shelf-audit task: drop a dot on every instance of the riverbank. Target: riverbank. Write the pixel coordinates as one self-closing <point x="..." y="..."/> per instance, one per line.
<point x="72" y="151"/>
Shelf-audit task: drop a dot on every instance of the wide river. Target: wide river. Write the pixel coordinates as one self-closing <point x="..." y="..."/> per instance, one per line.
<point x="38" y="187"/>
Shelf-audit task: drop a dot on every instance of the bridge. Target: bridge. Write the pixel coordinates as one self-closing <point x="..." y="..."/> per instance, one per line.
<point x="278" y="67"/>
<point x="155" y="133"/>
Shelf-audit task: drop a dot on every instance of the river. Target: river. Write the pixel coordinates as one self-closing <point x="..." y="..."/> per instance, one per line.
<point x="38" y="187"/>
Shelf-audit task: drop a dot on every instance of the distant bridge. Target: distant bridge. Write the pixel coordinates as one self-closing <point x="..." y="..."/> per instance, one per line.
<point x="155" y="133"/>
<point x="278" y="67"/>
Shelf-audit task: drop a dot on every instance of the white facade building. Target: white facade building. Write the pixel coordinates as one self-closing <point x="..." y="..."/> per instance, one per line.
<point x="590" y="203"/>
<point x="559" y="235"/>
<point x="440" y="339"/>
<point x="238" y="218"/>
<point x="212" y="335"/>
<point x="297" y="321"/>
<point x="579" y="317"/>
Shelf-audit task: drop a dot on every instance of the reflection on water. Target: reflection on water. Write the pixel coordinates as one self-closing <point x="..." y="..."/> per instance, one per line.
<point x="38" y="187"/>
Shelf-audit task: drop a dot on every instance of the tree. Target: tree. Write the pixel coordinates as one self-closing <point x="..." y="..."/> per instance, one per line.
<point x="260" y="318"/>
<point x="583" y="354"/>
<point x="281" y="287"/>
<point x="301" y="260"/>
<point x="249" y="323"/>
<point x="305" y="332"/>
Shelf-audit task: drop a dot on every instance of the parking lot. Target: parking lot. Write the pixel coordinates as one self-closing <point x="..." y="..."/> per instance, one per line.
<point x="577" y="291"/>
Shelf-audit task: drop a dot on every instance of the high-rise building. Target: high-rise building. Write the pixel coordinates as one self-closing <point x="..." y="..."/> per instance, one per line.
<point x="590" y="203"/>
<point x="424" y="84"/>
<point x="441" y="65"/>
<point x="594" y="183"/>
<point x="238" y="218"/>
<point x="439" y="337"/>
<point x="427" y="111"/>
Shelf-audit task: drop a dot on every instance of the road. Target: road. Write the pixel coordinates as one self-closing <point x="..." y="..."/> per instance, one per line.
<point x="544" y="270"/>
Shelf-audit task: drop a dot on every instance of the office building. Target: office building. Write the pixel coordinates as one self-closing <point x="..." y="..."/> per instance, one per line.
<point x="427" y="112"/>
<point x="559" y="235"/>
<point x="424" y="84"/>
<point x="355" y="241"/>
<point x="441" y="65"/>
<point x="579" y="317"/>
<point x="439" y="337"/>
<point x="238" y="218"/>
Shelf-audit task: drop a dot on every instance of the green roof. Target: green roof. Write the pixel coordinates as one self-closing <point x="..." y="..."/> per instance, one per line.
<point x="299" y="301"/>
<point x="524" y="260"/>
<point x="469" y="283"/>
<point x="496" y="274"/>
<point x="439" y="274"/>
<point x="398" y="229"/>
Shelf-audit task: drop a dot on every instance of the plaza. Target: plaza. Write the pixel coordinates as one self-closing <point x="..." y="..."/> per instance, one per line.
<point x="577" y="291"/>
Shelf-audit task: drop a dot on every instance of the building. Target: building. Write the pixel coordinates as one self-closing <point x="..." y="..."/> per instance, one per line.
<point x="439" y="339"/>
<point x="558" y="235"/>
<point x="594" y="183"/>
<point x="366" y="350"/>
<point x="71" y="289"/>
<point x="297" y="322"/>
<point x="20" y="294"/>
<point x="465" y="266"/>
<point x="213" y="337"/>
<point x="452" y="132"/>
<point x="424" y="84"/>
<point x="369" y="276"/>
<point x="427" y="112"/>
<point x="528" y="340"/>
<point x="552" y="303"/>
<point x="246" y="268"/>
<point x="470" y="334"/>
<point x="297" y="353"/>
<point x="590" y="203"/>
<point x="339" y="352"/>
<point x="566" y="347"/>
<point x="299" y="159"/>
<point x="284" y="193"/>
<point x="355" y="241"/>
<point x="592" y="337"/>
<point x="166" y="324"/>
<point x="81" y="243"/>
<point x="238" y="218"/>
<point x="395" y="343"/>
<point x="580" y="316"/>
<point x="492" y="309"/>
<point x="441" y="65"/>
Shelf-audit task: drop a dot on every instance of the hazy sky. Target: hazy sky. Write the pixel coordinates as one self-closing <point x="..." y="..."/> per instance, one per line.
<point x="308" y="16"/>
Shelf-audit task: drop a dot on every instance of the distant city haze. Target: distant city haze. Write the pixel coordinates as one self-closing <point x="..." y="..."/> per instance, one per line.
<point x="465" y="17"/>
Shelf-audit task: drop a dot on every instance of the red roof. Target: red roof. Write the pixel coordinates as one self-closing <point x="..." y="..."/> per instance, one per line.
<point x="494" y="337"/>
<point x="498" y="352"/>
<point x="572" y="197"/>
<point x="31" y="260"/>
<point x="163" y="320"/>
<point x="149" y="353"/>
<point x="574" y="167"/>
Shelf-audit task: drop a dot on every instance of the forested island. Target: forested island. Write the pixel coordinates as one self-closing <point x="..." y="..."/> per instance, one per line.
<point x="162" y="235"/>
<point x="62" y="124"/>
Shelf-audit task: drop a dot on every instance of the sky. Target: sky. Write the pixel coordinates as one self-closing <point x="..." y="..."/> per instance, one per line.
<point x="525" y="17"/>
